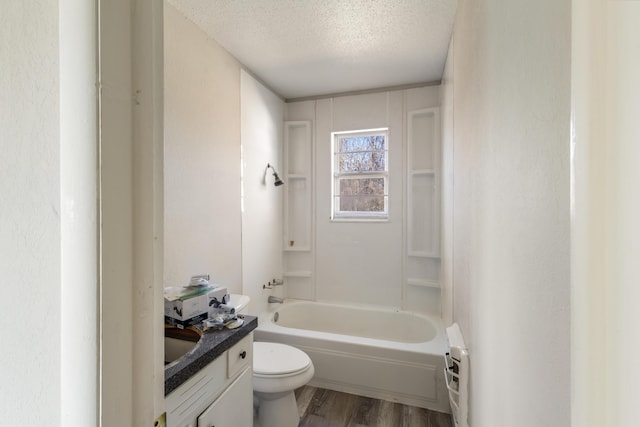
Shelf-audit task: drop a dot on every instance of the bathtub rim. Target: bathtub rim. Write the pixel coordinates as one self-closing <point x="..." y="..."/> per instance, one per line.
<point x="436" y="346"/>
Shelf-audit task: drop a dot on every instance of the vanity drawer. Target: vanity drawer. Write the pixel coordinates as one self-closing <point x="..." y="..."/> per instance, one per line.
<point x="240" y="356"/>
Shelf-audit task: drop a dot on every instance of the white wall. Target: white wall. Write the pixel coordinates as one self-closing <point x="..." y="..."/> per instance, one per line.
<point x="202" y="157"/>
<point x="79" y="212"/>
<point x="213" y="110"/>
<point x="147" y="208"/>
<point x="50" y="224"/>
<point x="508" y="253"/>
<point x="361" y="262"/>
<point x="446" y="108"/>
<point x="605" y="212"/>
<point x="262" y="114"/>
<point x="130" y="332"/>
<point x="30" y="223"/>
<point x="117" y="219"/>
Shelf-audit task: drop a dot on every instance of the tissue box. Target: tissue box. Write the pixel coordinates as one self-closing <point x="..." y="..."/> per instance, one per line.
<point x="181" y="324"/>
<point x="185" y="307"/>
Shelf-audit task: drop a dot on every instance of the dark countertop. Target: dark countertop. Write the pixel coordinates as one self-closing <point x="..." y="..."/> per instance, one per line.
<point x="211" y="345"/>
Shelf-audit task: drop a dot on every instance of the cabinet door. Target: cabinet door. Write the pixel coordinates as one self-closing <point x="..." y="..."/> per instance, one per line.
<point x="234" y="408"/>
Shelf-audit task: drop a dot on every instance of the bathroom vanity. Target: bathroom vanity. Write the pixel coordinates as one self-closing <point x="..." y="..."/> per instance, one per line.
<point x="211" y="386"/>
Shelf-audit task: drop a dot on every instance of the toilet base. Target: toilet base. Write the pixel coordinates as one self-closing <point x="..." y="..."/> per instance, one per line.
<point x="277" y="409"/>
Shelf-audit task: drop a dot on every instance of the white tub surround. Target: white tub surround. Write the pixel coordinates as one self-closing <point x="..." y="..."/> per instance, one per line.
<point x="323" y="257"/>
<point x="375" y="352"/>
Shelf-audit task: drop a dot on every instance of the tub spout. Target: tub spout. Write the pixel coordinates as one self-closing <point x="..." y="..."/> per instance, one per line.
<point x="274" y="299"/>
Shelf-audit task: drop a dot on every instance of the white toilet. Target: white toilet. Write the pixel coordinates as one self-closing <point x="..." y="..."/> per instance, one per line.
<point x="278" y="370"/>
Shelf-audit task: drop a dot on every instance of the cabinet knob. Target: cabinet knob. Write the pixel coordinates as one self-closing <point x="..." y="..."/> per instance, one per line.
<point x="243" y="354"/>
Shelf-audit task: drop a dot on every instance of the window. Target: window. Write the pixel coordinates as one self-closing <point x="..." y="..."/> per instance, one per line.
<point x="360" y="174"/>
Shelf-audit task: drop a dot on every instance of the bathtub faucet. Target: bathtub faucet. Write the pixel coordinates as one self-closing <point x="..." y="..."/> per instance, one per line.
<point x="274" y="299"/>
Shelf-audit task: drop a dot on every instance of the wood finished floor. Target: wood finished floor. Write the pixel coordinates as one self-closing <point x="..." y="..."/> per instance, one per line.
<point x="326" y="408"/>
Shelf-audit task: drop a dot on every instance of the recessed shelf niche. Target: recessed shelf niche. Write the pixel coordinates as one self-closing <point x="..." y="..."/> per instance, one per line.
<point x="423" y="199"/>
<point x="297" y="201"/>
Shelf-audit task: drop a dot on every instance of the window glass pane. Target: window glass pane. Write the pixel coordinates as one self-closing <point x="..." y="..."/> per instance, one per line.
<point x="362" y="204"/>
<point x="362" y="194"/>
<point x="361" y="186"/>
<point x="364" y="161"/>
<point x="361" y="143"/>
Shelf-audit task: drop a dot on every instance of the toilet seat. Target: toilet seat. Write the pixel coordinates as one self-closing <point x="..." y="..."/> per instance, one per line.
<point x="276" y="360"/>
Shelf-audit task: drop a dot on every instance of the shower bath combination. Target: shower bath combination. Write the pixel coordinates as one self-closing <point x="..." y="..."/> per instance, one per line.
<point x="278" y="182"/>
<point x="403" y="349"/>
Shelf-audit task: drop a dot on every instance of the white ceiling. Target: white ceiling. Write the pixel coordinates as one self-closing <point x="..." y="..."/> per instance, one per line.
<point x="303" y="48"/>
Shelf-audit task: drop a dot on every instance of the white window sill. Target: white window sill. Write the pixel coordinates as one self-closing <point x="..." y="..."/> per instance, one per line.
<point x="356" y="219"/>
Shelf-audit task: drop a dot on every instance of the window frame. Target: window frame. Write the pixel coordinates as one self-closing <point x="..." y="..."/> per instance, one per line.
<point x="337" y="176"/>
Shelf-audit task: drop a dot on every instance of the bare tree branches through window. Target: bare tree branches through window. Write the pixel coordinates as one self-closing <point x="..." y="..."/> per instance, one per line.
<point x="361" y="174"/>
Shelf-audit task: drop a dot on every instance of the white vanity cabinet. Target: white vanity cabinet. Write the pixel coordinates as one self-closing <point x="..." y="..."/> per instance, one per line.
<point x="230" y="408"/>
<point x="219" y="395"/>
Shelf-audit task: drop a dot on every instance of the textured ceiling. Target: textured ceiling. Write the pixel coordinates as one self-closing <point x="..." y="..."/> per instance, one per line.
<point x="306" y="48"/>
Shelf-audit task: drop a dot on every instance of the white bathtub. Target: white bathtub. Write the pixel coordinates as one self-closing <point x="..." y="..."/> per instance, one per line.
<point x="381" y="353"/>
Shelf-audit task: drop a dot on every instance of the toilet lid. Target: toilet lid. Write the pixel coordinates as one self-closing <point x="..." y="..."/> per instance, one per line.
<point x="275" y="359"/>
